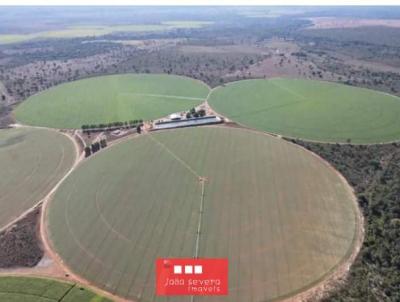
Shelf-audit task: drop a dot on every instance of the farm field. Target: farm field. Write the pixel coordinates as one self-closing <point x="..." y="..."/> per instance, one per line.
<point x="115" y="98"/>
<point x="333" y="22"/>
<point x="282" y="216"/>
<point x="100" y="30"/>
<point x="26" y="289"/>
<point x="311" y="110"/>
<point x="32" y="161"/>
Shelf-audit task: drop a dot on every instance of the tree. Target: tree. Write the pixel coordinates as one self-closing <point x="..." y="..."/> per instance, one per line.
<point x="103" y="143"/>
<point x="95" y="147"/>
<point x="88" y="151"/>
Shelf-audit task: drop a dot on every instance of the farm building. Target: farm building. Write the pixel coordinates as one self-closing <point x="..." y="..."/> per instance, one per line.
<point x="206" y="120"/>
<point x="175" y="117"/>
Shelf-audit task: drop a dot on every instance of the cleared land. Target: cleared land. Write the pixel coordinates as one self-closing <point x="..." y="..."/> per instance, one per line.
<point x="332" y="22"/>
<point x="101" y="30"/>
<point x="282" y="216"/>
<point x="32" y="161"/>
<point x="24" y="289"/>
<point x="311" y="110"/>
<point x="115" y="98"/>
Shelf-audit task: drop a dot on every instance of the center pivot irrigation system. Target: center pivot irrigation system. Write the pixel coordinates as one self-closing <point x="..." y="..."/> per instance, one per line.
<point x="285" y="219"/>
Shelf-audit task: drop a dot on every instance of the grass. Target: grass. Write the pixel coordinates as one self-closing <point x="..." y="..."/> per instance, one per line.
<point x="32" y="162"/>
<point x="26" y="289"/>
<point x="311" y="110"/>
<point x="101" y="30"/>
<point x="282" y="217"/>
<point x="111" y="99"/>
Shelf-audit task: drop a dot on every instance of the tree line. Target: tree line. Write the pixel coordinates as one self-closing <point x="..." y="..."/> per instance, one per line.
<point x="110" y="126"/>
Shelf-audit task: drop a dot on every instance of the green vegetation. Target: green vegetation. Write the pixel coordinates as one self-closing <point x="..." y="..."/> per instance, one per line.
<point x="107" y="99"/>
<point x="373" y="172"/>
<point x="96" y="147"/>
<point x="111" y="126"/>
<point x="283" y="212"/>
<point x="194" y="113"/>
<point x="100" y="30"/>
<point x="32" y="161"/>
<point x="26" y="289"/>
<point x="382" y="35"/>
<point x="311" y="110"/>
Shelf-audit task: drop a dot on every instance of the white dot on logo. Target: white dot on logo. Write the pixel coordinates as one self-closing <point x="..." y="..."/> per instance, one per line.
<point x="177" y="269"/>
<point x="198" y="269"/>
<point x="188" y="269"/>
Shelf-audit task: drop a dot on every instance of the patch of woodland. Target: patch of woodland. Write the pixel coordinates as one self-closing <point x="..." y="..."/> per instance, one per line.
<point x="20" y="245"/>
<point x="358" y="63"/>
<point x="374" y="173"/>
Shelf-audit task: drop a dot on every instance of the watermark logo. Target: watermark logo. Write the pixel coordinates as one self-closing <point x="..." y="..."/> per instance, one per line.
<point x="193" y="277"/>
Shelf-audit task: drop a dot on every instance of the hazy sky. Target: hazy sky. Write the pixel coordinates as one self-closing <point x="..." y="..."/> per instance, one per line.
<point x="200" y="2"/>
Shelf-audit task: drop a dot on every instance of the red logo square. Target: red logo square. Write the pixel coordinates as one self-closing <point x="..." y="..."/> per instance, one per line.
<point x="193" y="277"/>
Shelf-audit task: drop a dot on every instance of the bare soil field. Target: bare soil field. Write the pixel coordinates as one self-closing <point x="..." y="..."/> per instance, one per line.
<point x="223" y="49"/>
<point x="285" y="65"/>
<point x="280" y="60"/>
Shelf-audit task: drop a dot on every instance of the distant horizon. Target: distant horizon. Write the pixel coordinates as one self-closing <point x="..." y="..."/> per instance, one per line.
<point x="200" y="3"/>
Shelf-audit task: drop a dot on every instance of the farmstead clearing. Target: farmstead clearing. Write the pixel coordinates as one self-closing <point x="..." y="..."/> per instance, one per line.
<point x="283" y="217"/>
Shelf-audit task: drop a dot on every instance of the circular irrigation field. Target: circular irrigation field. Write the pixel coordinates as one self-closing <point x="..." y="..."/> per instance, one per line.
<point x="32" y="161"/>
<point x="311" y="110"/>
<point x="282" y="216"/>
<point x="28" y="289"/>
<point x="113" y="98"/>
